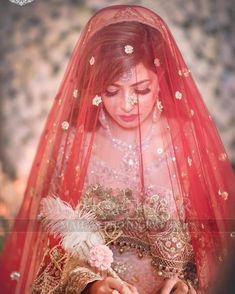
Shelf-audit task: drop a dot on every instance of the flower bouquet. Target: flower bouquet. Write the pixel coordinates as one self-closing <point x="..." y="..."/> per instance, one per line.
<point x="80" y="233"/>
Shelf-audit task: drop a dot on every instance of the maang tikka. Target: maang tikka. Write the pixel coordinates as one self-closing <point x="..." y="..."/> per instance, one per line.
<point x="127" y="75"/>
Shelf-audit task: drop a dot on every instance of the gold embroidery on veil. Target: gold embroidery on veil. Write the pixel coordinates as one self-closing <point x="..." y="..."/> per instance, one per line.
<point x="49" y="273"/>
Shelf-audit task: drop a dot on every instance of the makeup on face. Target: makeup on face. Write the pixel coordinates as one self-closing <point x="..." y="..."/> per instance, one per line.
<point x="140" y="88"/>
<point x="129" y="118"/>
<point x="130" y="101"/>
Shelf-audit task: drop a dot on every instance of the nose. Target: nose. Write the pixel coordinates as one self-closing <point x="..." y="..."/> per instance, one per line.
<point x="126" y="105"/>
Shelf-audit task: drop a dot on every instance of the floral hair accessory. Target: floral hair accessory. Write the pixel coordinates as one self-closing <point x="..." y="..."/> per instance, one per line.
<point x="96" y="100"/>
<point x="101" y="257"/>
<point x="129" y="49"/>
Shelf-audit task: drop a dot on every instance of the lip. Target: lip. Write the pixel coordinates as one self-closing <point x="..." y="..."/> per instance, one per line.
<point x="128" y="118"/>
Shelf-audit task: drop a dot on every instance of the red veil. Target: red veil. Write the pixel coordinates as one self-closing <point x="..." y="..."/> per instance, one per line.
<point x="198" y="167"/>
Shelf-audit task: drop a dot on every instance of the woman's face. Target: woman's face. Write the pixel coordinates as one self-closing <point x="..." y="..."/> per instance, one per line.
<point x="119" y="99"/>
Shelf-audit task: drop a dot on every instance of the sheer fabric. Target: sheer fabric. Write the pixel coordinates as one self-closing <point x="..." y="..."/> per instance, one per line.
<point x="173" y="189"/>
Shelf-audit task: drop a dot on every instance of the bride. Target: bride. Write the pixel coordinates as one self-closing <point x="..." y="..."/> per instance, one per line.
<point x="130" y="141"/>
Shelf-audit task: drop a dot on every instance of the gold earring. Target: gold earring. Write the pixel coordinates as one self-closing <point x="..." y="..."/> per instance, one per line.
<point x="158" y="108"/>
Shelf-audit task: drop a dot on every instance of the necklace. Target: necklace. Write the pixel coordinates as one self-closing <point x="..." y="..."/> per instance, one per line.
<point x="131" y="152"/>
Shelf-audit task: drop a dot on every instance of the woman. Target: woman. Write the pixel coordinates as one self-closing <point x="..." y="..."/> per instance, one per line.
<point x="130" y="140"/>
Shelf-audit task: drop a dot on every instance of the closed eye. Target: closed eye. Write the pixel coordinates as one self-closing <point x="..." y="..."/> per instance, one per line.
<point x="111" y="93"/>
<point x="142" y="92"/>
<point x="138" y="92"/>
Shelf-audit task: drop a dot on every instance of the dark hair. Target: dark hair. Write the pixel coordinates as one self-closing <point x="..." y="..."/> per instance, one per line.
<point x="107" y="47"/>
<point x="111" y="61"/>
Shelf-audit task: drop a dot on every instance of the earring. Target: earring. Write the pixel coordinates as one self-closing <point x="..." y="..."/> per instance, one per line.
<point x="155" y="114"/>
<point x="158" y="108"/>
<point x="102" y="118"/>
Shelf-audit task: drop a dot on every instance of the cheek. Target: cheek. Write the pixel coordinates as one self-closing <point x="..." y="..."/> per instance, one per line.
<point x="147" y="104"/>
<point x="110" y="106"/>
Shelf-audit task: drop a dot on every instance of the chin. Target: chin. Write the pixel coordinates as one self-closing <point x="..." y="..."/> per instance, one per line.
<point x="128" y="125"/>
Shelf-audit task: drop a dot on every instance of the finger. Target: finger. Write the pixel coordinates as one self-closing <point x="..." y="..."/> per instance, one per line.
<point x="120" y="287"/>
<point x="168" y="286"/>
<point x="132" y="288"/>
<point x="181" y="288"/>
<point x="100" y="287"/>
<point x="126" y="290"/>
<point x="192" y="291"/>
<point x="104" y="290"/>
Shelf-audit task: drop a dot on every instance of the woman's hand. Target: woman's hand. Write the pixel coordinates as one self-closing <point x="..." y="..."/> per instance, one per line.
<point x="107" y="285"/>
<point x="176" y="286"/>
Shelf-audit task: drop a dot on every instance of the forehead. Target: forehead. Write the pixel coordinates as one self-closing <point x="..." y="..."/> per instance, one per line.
<point x="135" y="74"/>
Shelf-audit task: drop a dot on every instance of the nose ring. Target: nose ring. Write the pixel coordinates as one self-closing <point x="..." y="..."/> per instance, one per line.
<point x="132" y="99"/>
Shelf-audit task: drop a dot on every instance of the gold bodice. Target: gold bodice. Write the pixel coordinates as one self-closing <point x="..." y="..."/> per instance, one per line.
<point x="144" y="225"/>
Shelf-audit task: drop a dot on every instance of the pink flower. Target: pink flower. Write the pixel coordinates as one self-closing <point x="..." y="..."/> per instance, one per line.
<point x="100" y="257"/>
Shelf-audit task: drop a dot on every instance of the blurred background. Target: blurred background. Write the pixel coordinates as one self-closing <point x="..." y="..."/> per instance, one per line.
<point x="37" y="40"/>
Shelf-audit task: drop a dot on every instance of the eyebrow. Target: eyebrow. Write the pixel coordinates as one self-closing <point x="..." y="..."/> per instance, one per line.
<point x="133" y="85"/>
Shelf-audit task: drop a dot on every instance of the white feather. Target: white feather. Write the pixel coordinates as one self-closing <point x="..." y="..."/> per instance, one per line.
<point x="77" y="228"/>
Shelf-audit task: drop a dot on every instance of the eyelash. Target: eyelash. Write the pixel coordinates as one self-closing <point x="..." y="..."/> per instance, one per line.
<point x="141" y="92"/>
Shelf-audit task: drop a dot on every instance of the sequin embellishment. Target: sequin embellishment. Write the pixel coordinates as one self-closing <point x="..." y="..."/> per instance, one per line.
<point x="96" y="100"/>
<point x="75" y="93"/>
<point x="156" y="62"/>
<point x="184" y="72"/>
<point x="178" y="95"/>
<point x="15" y="276"/>
<point x="223" y="194"/>
<point x="92" y="60"/>
<point x="222" y="156"/>
<point x="129" y="49"/>
<point x="65" y="125"/>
